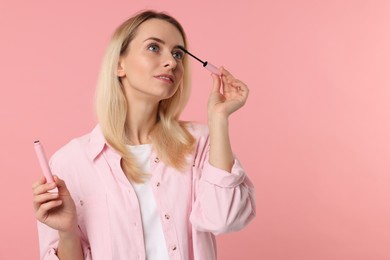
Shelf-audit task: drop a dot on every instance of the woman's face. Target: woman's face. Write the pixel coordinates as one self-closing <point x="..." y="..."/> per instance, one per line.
<point x="152" y="67"/>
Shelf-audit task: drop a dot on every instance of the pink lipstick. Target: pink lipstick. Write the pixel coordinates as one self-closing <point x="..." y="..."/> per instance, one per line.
<point x="43" y="161"/>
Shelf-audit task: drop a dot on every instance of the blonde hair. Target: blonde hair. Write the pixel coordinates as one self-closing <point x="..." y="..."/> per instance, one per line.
<point x="170" y="138"/>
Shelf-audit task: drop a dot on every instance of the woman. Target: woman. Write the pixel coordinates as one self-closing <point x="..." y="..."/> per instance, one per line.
<point x="142" y="184"/>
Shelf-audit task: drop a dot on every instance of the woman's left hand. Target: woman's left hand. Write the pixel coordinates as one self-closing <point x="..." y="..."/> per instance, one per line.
<point x="234" y="95"/>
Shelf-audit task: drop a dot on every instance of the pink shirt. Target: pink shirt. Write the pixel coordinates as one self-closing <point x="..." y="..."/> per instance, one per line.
<point x="194" y="205"/>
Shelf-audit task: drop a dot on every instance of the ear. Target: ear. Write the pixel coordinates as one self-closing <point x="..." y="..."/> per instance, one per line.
<point x="120" y="72"/>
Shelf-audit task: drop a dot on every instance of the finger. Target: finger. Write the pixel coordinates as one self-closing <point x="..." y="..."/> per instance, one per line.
<point x="227" y="74"/>
<point x="61" y="185"/>
<point x="45" y="207"/>
<point x="43" y="198"/>
<point x="228" y="80"/>
<point x="224" y="83"/>
<point x="237" y="81"/>
<point x="240" y="85"/>
<point x="225" y="71"/>
<point x="39" y="182"/>
<point x="44" y="188"/>
<point x="216" y="83"/>
<point x="242" y="91"/>
<point x="230" y="86"/>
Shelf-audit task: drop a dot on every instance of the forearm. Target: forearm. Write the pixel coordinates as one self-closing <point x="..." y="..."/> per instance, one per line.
<point x="221" y="155"/>
<point x="69" y="246"/>
<point x="220" y="106"/>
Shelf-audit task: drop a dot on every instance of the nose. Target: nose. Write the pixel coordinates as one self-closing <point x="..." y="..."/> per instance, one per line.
<point x="170" y="62"/>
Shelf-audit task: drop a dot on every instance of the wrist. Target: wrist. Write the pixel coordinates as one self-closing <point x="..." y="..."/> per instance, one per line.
<point x="69" y="235"/>
<point x="69" y="245"/>
<point x="219" y="129"/>
<point x="218" y="120"/>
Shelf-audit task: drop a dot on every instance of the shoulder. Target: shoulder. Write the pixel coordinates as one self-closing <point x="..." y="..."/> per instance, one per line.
<point x="198" y="130"/>
<point x="71" y="154"/>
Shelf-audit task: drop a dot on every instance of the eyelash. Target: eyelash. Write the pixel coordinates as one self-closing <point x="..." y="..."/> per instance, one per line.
<point x="155" y="45"/>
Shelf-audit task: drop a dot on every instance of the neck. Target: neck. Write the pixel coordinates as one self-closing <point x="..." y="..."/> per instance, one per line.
<point x="141" y="118"/>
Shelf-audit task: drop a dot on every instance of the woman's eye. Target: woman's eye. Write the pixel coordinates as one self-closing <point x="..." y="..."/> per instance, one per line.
<point x="153" y="47"/>
<point x="178" y="55"/>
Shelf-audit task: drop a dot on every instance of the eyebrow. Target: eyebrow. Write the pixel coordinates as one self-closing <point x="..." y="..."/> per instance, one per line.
<point x="162" y="42"/>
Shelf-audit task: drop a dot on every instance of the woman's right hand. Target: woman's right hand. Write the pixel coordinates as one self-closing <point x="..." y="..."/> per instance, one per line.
<point x="56" y="210"/>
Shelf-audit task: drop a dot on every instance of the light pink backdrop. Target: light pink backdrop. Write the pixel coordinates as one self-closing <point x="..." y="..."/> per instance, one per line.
<point x="314" y="135"/>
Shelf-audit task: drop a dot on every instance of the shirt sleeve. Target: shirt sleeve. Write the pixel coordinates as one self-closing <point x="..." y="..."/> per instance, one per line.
<point x="48" y="243"/>
<point x="224" y="201"/>
<point x="48" y="237"/>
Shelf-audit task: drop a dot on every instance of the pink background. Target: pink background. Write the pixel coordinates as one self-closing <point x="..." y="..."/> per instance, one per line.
<point x="314" y="135"/>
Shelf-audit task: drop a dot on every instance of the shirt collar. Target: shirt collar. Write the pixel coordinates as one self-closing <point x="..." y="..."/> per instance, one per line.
<point x="97" y="143"/>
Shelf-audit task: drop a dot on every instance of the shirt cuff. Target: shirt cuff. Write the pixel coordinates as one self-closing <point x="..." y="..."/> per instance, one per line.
<point x="221" y="177"/>
<point x="51" y="254"/>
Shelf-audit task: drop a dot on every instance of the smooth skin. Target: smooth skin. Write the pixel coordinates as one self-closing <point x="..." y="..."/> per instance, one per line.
<point x="146" y="59"/>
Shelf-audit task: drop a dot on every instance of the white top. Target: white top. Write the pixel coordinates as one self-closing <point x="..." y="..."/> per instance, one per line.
<point x="155" y="245"/>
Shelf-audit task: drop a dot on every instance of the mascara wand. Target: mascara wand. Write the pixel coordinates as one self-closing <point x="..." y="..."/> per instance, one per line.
<point x="210" y="67"/>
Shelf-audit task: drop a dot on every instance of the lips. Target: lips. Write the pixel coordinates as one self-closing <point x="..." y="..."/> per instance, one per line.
<point x="166" y="77"/>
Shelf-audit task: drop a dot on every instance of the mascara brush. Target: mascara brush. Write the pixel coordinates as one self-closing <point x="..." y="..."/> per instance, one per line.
<point x="210" y="67"/>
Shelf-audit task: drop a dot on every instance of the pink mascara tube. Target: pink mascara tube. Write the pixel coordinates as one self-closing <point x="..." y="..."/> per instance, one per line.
<point x="43" y="161"/>
<point x="210" y="67"/>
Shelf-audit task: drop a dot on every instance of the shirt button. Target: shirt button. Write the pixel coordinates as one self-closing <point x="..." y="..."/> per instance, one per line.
<point x="174" y="248"/>
<point x="166" y="216"/>
<point x="156" y="160"/>
<point x="81" y="202"/>
<point x="158" y="184"/>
